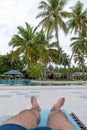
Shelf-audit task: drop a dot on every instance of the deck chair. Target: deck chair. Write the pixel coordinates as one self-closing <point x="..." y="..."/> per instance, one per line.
<point x="71" y="117"/>
<point x="78" y="121"/>
<point x="44" y="119"/>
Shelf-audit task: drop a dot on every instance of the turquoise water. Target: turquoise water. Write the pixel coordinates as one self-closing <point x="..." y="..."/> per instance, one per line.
<point x="26" y="82"/>
<point x="16" y="82"/>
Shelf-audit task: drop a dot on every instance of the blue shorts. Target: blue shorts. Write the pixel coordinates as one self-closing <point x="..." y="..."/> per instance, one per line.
<point x="18" y="127"/>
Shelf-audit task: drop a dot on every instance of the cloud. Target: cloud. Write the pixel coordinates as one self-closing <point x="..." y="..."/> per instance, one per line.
<point x="16" y="12"/>
<point x="12" y="14"/>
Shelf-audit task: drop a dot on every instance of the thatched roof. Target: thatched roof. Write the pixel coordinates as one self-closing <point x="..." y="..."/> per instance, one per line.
<point x="13" y="72"/>
<point x="78" y="73"/>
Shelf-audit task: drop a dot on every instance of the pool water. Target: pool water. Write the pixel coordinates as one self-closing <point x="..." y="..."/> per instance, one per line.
<point x="26" y="82"/>
<point x="16" y="82"/>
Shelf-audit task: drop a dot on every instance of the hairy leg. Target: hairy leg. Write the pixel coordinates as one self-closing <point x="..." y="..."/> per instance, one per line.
<point x="57" y="119"/>
<point x="27" y="118"/>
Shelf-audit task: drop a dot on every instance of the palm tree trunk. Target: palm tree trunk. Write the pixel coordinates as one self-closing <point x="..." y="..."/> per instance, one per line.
<point x="83" y="71"/>
<point x="59" y="48"/>
<point x="45" y="73"/>
<point x="56" y="33"/>
<point x="83" y="66"/>
<point x="41" y="73"/>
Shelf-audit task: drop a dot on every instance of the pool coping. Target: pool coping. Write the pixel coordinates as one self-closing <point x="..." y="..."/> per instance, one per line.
<point x="40" y="87"/>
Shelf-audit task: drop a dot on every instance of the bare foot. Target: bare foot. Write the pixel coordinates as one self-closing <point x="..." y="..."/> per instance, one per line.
<point x="34" y="103"/>
<point x="58" y="104"/>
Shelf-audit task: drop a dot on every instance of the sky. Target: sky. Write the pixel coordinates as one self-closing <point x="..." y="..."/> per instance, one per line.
<point x="14" y="13"/>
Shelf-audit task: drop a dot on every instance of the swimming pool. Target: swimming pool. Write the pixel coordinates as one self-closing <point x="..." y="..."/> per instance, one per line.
<point x="26" y="82"/>
<point x="13" y="82"/>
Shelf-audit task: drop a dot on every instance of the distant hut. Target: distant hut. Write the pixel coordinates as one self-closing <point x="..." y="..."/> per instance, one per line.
<point x="76" y="75"/>
<point x="14" y="74"/>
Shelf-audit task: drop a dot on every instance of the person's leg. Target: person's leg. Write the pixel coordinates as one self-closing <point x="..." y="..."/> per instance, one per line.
<point x="57" y="119"/>
<point x="27" y="118"/>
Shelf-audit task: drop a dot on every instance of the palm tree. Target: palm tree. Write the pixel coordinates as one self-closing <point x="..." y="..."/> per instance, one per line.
<point x="79" y="47"/>
<point x="77" y="18"/>
<point x="78" y="59"/>
<point x="49" y="55"/>
<point x="23" y="42"/>
<point x="65" y="62"/>
<point x="77" y="23"/>
<point x="28" y="44"/>
<point x="52" y="15"/>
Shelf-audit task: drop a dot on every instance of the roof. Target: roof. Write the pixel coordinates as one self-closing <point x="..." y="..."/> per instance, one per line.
<point x="79" y="73"/>
<point x="13" y="72"/>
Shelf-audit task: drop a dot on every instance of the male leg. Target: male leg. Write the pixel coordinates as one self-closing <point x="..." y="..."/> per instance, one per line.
<point x="57" y="119"/>
<point x="27" y="118"/>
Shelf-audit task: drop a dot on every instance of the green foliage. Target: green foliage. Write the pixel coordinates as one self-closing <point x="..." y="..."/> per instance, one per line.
<point x="78" y="18"/>
<point x="52" y="15"/>
<point x="33" y="72"/>
<point x="5" y="63"/>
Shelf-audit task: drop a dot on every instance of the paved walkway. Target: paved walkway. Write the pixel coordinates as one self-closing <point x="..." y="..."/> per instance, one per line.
<point x="13" y="100"/>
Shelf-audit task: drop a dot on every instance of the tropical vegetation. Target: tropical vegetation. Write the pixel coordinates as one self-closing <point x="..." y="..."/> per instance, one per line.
<point x="37" y="51"/>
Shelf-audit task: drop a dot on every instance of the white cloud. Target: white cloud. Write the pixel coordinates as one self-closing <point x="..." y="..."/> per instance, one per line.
<point x="16" y="12"/>
<point x="12" y="14"/>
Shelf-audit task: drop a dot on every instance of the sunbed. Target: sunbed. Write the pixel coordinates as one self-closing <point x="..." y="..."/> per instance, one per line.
<point x="44" y="119"/>
<point x="78" y="121"/>
<point x="71" y="117"/>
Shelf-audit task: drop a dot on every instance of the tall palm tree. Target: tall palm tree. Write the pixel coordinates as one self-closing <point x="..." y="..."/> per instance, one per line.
<point x="28" y="44"/>
<point x="52" y="15"/>
<point x="23" y="41"/>
<point x="77" y="23"/>
<point x="49" y="55"/>
<point x="77" y="18"/>
<point x="65" y="62"/>
<point x="79" y="47"/>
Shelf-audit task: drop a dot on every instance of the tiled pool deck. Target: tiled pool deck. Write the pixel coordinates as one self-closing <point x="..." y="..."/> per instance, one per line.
<point x="15" y="99"/>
